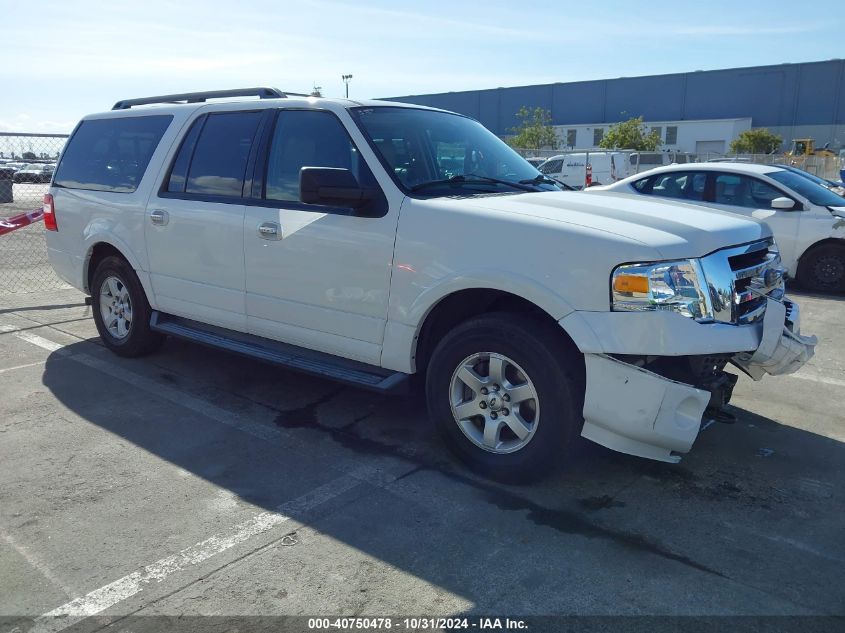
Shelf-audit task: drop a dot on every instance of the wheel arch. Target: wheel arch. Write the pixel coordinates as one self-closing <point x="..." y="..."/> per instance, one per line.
<point x="800" y="271"/>
<point x="836" y="241"/>
<point x="460" y="305"/>
<point x="102" y="247"/>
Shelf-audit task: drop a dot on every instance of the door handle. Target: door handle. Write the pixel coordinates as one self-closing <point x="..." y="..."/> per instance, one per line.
<point x="270" y="231"/>
<point x="159" y="217"/>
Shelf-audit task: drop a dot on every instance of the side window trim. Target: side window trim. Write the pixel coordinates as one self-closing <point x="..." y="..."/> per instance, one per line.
<point x="199" y="124"/>
<point x="252" y="176"/>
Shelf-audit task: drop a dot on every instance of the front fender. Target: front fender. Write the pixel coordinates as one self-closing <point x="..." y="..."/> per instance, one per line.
<point x="408" y="314"/>
<point x="515" y="284"/>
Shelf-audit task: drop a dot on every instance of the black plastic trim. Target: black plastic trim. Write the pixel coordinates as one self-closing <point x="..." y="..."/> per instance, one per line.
<point x="290" y="356"/>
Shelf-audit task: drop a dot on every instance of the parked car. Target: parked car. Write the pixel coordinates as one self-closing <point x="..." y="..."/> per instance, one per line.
<point x="806" y="219"/>
<point x="35" y="172"/>
<point x="328" y="237"/>
<point x="15" y="166"/>
<point x="572" y="169"/>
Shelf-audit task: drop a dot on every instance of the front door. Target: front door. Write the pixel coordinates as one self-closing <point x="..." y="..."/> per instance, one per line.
<point x="194" y="225"/>
<point x="753" y="197"/>
<point x="317" y="276"/>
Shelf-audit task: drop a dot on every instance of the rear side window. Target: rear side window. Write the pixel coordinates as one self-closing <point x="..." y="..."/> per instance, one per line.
<point x="684" y="185"/>
<point x="218" y="158"/>
<point x="110" y="154"/>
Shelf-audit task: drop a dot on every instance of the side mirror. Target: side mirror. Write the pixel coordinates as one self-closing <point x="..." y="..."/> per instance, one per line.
<point x="332" y="186"/>
<point x="783" y="203"/>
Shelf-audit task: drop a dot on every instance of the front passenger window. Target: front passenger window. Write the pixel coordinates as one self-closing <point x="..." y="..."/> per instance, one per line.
<point x="309" y="138"/>
<point x="742" y="191"/>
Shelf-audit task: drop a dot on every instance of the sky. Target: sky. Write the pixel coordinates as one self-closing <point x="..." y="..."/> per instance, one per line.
<point x="60" y="60"/>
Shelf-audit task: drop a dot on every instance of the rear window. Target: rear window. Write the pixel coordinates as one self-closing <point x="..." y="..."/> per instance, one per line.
<point x="110" y="154"/>
<point x="551" y="166"/>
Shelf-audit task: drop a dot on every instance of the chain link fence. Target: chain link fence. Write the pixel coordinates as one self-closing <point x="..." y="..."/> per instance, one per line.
<point x="27" y="162"/>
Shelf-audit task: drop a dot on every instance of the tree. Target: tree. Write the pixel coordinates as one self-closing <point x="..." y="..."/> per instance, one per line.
<point x="631" y="134"/>
<point x="28" y="156"/>
<point x="757" y="141"/>
<point x="534" y="131"/>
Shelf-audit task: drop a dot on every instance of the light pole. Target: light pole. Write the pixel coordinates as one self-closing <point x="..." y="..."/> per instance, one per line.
<point x="346" y="79"/>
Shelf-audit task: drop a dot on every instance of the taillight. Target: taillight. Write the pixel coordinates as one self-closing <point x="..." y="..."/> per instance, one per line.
<point x="50" y="213"/>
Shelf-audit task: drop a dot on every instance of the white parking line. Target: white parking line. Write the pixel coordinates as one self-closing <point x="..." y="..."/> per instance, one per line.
<point x="5" y="369"/>
<point x="166" y="392"/>
<point x="101" y="599"/>
<point x="105" y="597"/>
<point x="37" y="563"/>
<point x="816" y="378"/>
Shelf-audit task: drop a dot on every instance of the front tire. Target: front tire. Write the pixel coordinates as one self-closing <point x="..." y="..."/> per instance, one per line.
<point x="121" y="310"/>
<point x="507" y="394"/>
<point x="823" y="268"/>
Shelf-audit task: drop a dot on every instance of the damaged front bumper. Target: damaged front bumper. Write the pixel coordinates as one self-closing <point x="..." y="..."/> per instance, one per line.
<point x="636" y="411"/>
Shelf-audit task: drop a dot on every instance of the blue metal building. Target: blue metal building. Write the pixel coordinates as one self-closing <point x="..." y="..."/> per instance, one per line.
<point x="793" y="100"/>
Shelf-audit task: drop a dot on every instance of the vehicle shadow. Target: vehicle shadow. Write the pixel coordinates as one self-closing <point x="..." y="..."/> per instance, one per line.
<point x="723" y="532"/>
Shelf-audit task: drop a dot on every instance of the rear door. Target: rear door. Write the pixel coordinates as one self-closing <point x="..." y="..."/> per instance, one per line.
<point x="194" y="224"/>
<point x="316" y="276"/>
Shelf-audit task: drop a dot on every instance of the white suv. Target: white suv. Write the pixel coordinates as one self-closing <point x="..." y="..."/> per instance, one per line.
<point x="369" y="241"/>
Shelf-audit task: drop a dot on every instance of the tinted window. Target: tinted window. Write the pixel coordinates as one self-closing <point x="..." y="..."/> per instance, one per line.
<point x="807" y="188"/>
<point x="685" y="185"/>
<point x="179" y="174"/>
<point x="551" y="166"/>
<point x="220" y="157"/>
<point x="642" y="185"/>
<point x="598" y="135"/>
<point x="305" y="138"/>
<point x="741" y="191"/>
<point x="110" y="154"/>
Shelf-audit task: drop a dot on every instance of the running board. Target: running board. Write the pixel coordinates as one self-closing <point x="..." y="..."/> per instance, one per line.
<point x="290" y="356"/>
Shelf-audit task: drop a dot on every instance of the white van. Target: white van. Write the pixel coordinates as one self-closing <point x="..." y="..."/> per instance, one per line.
<point x="571" y="169"/>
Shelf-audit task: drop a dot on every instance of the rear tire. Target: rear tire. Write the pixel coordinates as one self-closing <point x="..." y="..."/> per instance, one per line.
<point x="507" y="395"/>
<point x="121" y="310"/>
<point x="823" y="268"/>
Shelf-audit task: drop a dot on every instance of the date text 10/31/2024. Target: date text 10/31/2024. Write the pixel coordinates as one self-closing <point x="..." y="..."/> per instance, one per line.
<point x="415" y="623"/>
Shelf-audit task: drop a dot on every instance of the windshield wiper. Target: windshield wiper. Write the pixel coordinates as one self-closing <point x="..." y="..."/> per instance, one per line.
<point x="471" y="179"/>
<point x="543" y="179"/>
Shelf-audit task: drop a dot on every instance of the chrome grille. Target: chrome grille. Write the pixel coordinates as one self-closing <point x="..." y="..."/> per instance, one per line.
<point x="741" y="279"/>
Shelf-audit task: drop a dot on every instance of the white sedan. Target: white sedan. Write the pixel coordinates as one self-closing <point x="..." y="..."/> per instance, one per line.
<point x="808" y="221"/>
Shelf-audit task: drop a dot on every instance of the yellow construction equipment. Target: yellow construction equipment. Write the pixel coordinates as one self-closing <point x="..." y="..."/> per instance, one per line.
<point x="807" y="147"/>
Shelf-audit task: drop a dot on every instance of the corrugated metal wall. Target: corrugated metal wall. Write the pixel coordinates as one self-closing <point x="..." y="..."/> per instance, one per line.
<point x="786" y="96"/>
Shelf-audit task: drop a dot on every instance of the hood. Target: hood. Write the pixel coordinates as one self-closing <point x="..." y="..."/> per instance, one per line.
<point x="675" y="229"/>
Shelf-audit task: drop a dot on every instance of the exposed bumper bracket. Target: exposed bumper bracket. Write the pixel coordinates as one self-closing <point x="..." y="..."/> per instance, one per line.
<point x="782" y="350"/>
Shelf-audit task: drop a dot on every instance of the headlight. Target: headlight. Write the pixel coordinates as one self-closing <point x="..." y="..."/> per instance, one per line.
<point x="676" y="286"/>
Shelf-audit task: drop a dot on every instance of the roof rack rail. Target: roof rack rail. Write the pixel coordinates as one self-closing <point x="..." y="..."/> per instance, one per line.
<point x="200" y="97"/>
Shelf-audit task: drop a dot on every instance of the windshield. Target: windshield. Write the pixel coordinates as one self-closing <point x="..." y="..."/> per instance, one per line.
<point x="435" y="152"/>
<point x="807" y="188"/>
